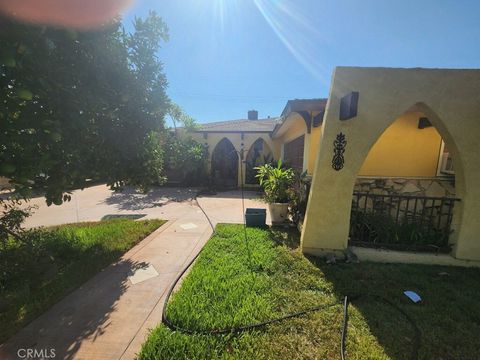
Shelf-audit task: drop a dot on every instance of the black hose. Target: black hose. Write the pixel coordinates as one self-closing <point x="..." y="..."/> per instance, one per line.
<point x="231" y="330"/>
<point x="418" y="333"/>
<point x="238" y="329"/>
<point x="344" y="328"/>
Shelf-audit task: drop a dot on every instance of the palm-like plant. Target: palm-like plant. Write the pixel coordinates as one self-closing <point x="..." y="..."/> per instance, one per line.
<point x="276" y="181"/>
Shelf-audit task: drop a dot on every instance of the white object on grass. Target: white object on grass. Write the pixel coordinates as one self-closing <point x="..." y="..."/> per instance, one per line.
<point x="413" y="296"/>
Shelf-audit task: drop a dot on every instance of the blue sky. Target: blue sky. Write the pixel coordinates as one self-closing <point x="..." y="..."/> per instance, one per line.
<point x="225" y="57"/>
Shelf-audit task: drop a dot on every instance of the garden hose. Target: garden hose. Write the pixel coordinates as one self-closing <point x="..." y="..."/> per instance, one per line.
<point x="238" y="329"/>
<point x="344" y="328"/>
<point x="418" y="334"/>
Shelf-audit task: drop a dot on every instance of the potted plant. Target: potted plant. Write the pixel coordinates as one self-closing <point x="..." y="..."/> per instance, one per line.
<point x="276" y="182"/>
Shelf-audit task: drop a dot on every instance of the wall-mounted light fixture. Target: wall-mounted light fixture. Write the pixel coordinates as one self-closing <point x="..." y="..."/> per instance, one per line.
<point x="349" y="106"/>
<point x="423" y="123"/>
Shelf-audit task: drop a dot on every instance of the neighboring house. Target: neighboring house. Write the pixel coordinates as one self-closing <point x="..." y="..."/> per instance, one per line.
<point x="229" y="142"/>
<point x="410" y="149"/>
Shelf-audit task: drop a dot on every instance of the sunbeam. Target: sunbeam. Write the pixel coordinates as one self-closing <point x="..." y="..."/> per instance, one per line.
<point x="223" y="11"/>
<point x="297" y="33"/>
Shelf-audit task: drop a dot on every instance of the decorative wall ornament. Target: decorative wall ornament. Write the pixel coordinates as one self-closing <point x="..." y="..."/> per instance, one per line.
<point x="338" y="149"/>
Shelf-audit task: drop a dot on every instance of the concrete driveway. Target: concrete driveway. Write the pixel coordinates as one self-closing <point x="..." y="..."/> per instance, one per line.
<point x="109" y="316"/>
<point x="96" y="202"/>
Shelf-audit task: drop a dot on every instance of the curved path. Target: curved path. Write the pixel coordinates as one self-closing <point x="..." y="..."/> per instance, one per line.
<point x="109" y="316"/>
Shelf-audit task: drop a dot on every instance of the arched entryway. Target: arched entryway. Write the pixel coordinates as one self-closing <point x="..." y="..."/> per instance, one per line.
<point x="258" y="154"/>
<point x="448" y="98"/>
<point x="225" y="165"/>
<point x="404" y="194"/>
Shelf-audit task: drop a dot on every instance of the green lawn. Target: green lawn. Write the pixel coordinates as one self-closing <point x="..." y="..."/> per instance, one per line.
<point x="221" y="291"/>
<point x="53" y="262"/>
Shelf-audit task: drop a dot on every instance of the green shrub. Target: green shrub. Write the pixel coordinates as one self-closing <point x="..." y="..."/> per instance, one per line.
<point x="276" y="182"/>
<point x="382" y="229"/>
<point x="185" y="159"/>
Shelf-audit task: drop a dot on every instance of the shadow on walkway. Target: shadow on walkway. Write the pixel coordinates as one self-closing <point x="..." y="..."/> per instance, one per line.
<point x="83" y="315"/>
<point x="134" y="200"/>
<point x="233" y="194"/>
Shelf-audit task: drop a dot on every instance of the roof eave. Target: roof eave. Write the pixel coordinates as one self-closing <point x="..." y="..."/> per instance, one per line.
<point x="234" y="131"/>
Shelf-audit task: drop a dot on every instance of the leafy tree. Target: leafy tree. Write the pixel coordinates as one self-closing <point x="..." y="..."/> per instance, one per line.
<point x="186" y="158"/>
<point x="81" y="105"/>
<point x="179" y="116"/>
<point x="11" y="221"/>
<point x="76" y="106"/>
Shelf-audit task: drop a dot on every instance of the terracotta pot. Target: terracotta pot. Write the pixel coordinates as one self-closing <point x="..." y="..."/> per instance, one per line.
<point x="278" y="212"/>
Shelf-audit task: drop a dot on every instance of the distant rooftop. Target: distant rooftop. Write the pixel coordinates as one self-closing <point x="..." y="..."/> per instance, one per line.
<point x="240" y="125"/>
<point x="264" y="125"/>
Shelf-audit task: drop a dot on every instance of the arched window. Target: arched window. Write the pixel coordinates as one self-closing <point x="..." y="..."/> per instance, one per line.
<point x="258" y="154"/>
<point x="225" y="165"/>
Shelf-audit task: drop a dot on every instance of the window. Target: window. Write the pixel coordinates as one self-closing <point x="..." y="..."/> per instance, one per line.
<point x="293" y="153"/>
<point x="446" y="163"/>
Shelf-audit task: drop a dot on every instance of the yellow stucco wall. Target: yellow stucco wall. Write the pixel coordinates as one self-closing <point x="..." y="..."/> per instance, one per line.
<point x="315" y="137"/>
<point x="451" y="101"/>
<point x="404" y="150"/>
<point x="295" y="126"/>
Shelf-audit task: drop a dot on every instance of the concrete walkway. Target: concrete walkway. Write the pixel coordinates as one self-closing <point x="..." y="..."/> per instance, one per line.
<point x="109" y="316"/>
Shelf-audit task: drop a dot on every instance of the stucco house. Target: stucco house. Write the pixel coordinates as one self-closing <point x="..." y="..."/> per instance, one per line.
<point x="411" y="149"/>
<point x="400" y="143"/>
<point x="236" y="146"/>
<point x="406" y="130"/>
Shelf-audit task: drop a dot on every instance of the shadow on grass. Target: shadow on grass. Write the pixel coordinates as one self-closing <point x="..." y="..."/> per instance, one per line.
<point x="82" y="315"/>
<point x="122" y="216"/>
<point x="285" y="236"/>
<point x="446" y="316"/>
<point x="65" y="274"/>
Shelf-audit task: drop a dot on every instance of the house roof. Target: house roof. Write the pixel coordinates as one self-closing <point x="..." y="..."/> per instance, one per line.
<point x="265" y="125"/>
<point x="240" y="125"/>
<point x="296" y="105"/>
<point x="304" y="108"/>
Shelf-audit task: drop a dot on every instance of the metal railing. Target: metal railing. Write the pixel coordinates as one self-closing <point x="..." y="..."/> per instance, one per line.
<point x="419" y="223"/>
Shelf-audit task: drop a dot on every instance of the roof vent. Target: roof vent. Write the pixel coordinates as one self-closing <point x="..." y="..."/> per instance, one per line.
<point x="252" y="115"/>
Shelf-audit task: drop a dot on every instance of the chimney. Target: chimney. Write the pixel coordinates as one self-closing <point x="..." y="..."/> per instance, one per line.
<point x="252" y="115"/>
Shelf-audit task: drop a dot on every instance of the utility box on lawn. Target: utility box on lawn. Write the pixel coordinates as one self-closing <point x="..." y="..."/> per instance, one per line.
<point x="255" y="217"/>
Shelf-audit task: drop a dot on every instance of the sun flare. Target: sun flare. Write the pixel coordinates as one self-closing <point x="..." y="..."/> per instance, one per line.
<point x="296" y="31"/>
